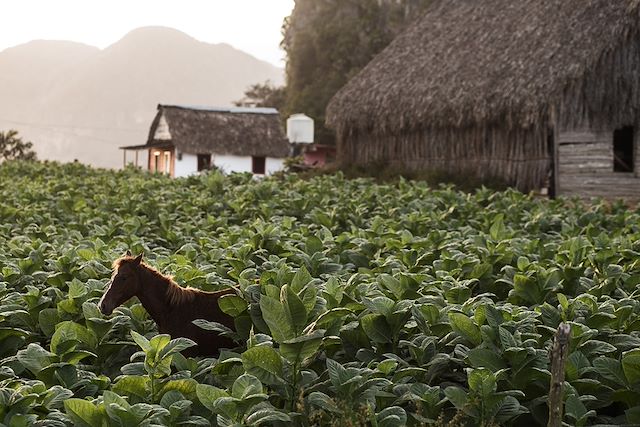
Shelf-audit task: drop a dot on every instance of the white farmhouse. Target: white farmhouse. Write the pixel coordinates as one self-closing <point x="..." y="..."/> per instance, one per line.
<point x="184" y="140"/>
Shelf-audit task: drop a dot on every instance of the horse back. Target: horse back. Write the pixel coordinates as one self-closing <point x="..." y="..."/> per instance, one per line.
<point x="203" y="306"/>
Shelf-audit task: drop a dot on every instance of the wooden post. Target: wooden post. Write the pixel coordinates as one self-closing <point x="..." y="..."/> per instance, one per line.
<point x="124" y="158"/>
<point x="559" y="353"/>
<point x="136" y="158"/>
<point x="556" y="160"/>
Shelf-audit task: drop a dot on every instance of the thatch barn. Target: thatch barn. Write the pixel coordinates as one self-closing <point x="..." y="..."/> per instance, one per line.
<point x="531" y="92"/>
<point x="184" y="140"/>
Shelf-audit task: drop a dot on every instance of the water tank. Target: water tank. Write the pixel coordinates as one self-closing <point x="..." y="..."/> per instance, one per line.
<point x="300" y="129"/>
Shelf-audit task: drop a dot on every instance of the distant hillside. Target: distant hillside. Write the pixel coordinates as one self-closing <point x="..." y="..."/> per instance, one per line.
<point x="78" y="102"/>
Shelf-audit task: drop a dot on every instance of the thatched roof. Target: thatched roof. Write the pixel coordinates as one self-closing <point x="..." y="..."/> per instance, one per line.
<point x="477" y="62"/>
<point x="230" y="131"/>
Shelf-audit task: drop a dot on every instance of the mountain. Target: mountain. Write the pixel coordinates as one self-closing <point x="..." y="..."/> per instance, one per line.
<point x="78" y="102"/>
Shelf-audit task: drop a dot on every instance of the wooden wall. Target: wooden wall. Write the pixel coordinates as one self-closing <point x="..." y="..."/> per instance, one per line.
<point x="585" y="166"/>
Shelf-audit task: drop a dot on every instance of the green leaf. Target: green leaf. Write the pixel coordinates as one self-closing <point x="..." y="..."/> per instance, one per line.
<point x="246" y="385"/>
<point x="111" y="397"/>
<point x="84" y="413"/>
<point x="465" y="327"/>
<point x="380" y="305"/>
<point x="387" y="366"/>
<point x="302" y="348"/>
<point x="610" y="369"/>
<point x="456" y="396"/>
<point x="527" y="289"/>
<point x="509" y="408"/>
<point x="301" y="279"/>
<point x="564" y="302"/>
<point x="391" y="417"/>
<point x="215" y="326"/>
<point x="633" y="415"/>
<point x="313" y="245"/>
<point x="482" y="381"/>
<point x="55" y="397"/>
<point x="485" y="358"/>
<point x="176" y="345"/>
<point x="232" y="305"/>
<point x="337" y="373"/>
<point x="86" y="254"/>
<point x="172" y="397"/>
<point x="276" y="318"/>
<point x="48" y="319"/>
<point x="523" y="263"/>
<point x="264" y="363"/>
<point x="297" y="313"/>
<point x="208" y="395"/>
<point x="158" y="343"/>
<point x="497" y="230"/>
<point x="507" y="340"/>
<point x="71" y="331"/>
<point x="35" y="358"/>
<point x="594" y="348"/>
<point x="186" y="387"/>
<point x="493" y="316"/>
<point x="261" y="415"/>
<point x="118" y="409"/>
<point x="631" y="366"/>
<point x="575" y="408"/>
<point x="376" y="328"/>
<point x="323" y="401"/>
<point x="332" y="315"/>
<point x="133" y="385"/>
<point x="142" y="342"/>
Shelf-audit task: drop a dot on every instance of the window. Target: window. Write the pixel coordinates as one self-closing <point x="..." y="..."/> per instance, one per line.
<point x="156" y="161"/>
<point x="167" y="162"/>
<point x="623" y="149"/>
<point x="258" y="165"/>
<point x="204" y="162"/>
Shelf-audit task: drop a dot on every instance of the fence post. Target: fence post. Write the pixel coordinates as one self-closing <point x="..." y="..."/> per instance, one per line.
<point x="559" y="353"/>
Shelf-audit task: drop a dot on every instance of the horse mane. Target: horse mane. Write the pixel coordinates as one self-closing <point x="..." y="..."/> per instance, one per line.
<point x="176" y="294"/>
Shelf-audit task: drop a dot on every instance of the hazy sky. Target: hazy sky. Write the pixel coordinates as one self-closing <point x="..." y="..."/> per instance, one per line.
<point x="251" y="25"/>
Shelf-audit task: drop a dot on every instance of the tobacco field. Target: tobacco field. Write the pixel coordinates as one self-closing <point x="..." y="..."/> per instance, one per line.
<point x="358" y="303"/>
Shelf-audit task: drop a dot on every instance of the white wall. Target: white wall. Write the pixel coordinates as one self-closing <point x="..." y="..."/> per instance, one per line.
<point x="187" y="166"/>
<point x="273" y="165"/>
<point x="230" y="163"/>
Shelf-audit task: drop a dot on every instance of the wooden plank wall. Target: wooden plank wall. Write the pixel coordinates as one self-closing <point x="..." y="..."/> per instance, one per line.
<point x="585" y="167"/>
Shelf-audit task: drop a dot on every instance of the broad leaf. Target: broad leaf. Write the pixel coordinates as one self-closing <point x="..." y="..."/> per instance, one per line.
<point x="232" y="305"/>
<point x="274" y="314"/>
<point x="84" y="413"/>
<point x="264" y="363"/>
<point x="465" y="327"/>
<point x="631" y="366"/>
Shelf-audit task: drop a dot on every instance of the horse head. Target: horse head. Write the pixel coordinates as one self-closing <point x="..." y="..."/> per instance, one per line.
<point x="124" y="283"/>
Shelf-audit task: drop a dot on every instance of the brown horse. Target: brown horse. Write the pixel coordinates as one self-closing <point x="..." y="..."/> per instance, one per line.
<point x="171" y="306"/>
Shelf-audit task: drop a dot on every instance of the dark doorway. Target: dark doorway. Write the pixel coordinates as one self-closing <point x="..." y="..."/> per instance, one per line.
<point x="258" y="165"/>
<point x="623" y="160"/>
<point x="204" y="162"/>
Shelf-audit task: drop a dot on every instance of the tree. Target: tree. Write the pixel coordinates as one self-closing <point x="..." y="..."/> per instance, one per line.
<point x="263" y="95"/>
<point x="328" y="41"/>
<point x="13" y="148"/>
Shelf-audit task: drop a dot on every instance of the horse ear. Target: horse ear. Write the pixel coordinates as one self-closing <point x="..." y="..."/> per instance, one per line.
<point x="128" y="253"/>
<point x="137" y="260"/>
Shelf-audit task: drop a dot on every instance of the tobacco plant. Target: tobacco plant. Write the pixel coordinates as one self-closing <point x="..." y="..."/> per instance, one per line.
<point x="356" y="302"/>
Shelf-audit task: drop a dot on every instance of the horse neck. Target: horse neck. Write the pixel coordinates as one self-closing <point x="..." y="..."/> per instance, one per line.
<point x="152" y="293"/>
